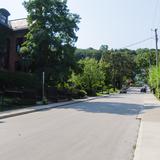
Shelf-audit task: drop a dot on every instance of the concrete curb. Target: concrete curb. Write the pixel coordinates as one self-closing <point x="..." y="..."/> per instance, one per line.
<point x="139" y="116"/>
<point x="13" y="113"/>
<point x="138" y="139"/>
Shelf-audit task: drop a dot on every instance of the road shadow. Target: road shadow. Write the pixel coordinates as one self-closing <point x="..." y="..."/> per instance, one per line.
<point x="106" y="107"/>
<point x="1" y="121"/>
<point x="150" y="106"/>
<point x="113" y="96"/>
<point x="109" y="107"/>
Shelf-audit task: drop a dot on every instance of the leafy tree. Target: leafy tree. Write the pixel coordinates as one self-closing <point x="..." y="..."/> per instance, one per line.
<point x="153" y="76"/>
<point x="51" y="38"/>
<point x="91" y="78"/>
<point x="144" y="59"/>
<point x="120" y="67"/>
<point x="103" y="48"/>
<point x="88" y="53"/>
<point x="154" y="80"/>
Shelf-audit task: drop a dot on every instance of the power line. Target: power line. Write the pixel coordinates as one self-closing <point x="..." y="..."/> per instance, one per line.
<point x="157" y="57"/>
<point x="139" y="42"/>
<point x="156" y="39"/>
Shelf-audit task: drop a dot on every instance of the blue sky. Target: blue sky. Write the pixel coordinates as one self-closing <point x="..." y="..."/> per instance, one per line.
<point x="117" y="23"/>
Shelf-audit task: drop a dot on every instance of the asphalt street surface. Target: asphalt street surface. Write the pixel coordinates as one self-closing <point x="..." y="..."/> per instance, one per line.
<point x="101" y="129"/>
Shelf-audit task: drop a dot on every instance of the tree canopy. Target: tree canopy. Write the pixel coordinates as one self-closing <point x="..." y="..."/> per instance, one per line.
<point x="51" y="37"/>
<point x="91" y="77"/>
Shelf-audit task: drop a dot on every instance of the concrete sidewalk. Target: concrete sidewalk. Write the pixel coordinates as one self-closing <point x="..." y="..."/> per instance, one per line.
<point x="17" y="112"/>
<point x="148" y="143"/>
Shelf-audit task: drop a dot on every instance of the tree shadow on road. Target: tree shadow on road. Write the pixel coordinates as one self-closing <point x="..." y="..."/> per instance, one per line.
<point x="106" y="107"/>
<point x="110" y="107"/>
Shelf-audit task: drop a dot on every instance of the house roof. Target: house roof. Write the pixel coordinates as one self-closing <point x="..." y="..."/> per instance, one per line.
<point x="4" y="12"/>
<point x="15" y="25"/>
<point x="18" y="24"/>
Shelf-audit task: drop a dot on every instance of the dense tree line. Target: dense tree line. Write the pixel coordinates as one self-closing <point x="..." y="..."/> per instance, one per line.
<point x="121" y="67"/>
<point x="50" y="48"/>
<point x="70" y="72"/>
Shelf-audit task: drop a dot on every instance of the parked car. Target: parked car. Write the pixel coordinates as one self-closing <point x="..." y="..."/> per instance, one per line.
<point x="123" y="90"/>
<point x="144" y="89"/>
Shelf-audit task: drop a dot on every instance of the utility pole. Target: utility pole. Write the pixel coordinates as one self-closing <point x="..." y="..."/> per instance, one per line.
<point x="157" y="56"/>
<point x="157" y="59"/>
<point x="43" y="84"/>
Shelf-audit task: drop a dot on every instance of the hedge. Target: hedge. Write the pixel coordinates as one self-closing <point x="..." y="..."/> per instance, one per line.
<point x="19" y="80"/>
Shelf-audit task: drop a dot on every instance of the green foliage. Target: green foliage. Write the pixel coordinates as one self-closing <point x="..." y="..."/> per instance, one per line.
<point x="88" y="53"/>
<point x="19" y="80"/>
<point x="16" y="103"/>
<point x="120" y="66"/>
<point x="144" y="59"/>
<point x="51" y="38"/>
<point x="154" y="80"/>
<point x="154" y="76"/>
<point x="24" y="50"/>
<point x="77" y="93"/>
<point x="92" y="77"/>
<point x="82" y="93"/>
<point x="104" y="48"/>
<point x="112" y="90"/>
<point x="45" y="101"/>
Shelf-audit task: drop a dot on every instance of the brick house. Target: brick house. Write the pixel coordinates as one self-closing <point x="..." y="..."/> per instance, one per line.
<point x="11" y="38"/>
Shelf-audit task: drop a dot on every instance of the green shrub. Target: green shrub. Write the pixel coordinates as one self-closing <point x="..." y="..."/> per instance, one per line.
<point x="76" y="93"/>
<point x="18" y="80"/>
<point x="82" y="93"/>
<point x="16" y="103"/>
<point x="112" y="90"/>
<point x="45" y="101"/>
<point x="91" y="92"/>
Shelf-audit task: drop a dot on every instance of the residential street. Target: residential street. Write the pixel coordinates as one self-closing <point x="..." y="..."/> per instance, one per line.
<point x="56" y="58"/>
<point x="101" y="129"/>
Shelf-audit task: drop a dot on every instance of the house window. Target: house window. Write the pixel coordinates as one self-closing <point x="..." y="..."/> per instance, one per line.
<point x="19" y="42"/>
<point x="3" y="18"/>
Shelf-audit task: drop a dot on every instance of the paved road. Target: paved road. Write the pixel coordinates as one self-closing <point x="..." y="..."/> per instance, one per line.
<point x="101" y="129"/>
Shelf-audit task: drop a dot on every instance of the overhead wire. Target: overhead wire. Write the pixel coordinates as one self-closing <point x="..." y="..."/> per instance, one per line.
<point x="153" y="25"/>
<point x="138" y="42"/>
